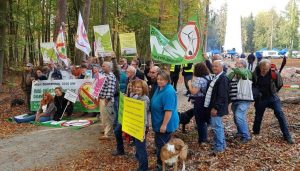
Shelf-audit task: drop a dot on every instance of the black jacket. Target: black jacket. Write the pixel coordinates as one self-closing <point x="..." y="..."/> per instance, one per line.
<point x="188" y="67"/>
<point x="140" y="74"/>
<point x="276" y="84"/>
<point x="220" y="95"/>
<point x="60" y="103"/>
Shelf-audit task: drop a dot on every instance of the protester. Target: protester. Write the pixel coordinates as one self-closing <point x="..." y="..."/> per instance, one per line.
<point x="62" y="105"/>
<point x="174" y="73"/>
<point x="165" y="119"/>
<point x="95" y="70"/>
<point x="45" y="112"/>
<point x="139" y="73"/>
<point x="218" y="57"/>
<point x="140" y="89"/>
<point x="106" y="97"/>
<point x="83" y="72"/>
<point x="153" y="75"/>
<point x="54" y="73"/>
<point x="251" y="59"/>
<point x="240" y="106"/>
<point x="149" y="65"/>
<point x="207" y="62"/>
<point x="123" y="78"/>
<point x="76" y="71"/>
<point x="268" y="84"/>
<point x="216" y="100"/>
<point x="27" y="78"/>
<point x="198" y="86"/>
<point x="40" y="75"/>
<point x="131" y="76"/>
<point x="187" y="73"/>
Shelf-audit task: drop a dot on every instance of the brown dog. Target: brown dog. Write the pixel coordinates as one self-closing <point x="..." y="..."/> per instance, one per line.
<point x="173" y="151"/>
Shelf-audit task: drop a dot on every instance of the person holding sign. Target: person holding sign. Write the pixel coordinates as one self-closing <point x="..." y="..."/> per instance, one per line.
<point x="45" y="113"/>
<point x="165" y="119"/>
<point x="61" y="104"/>
<point x="140" y="90"/>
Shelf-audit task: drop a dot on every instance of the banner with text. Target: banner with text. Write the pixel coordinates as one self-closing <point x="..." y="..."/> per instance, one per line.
<point x="103" y="46"/>
<point x="48" y="52"/>
<point x="84" y="103"/>
<point x="128" y="44"/>
<point x="133" y="119"/>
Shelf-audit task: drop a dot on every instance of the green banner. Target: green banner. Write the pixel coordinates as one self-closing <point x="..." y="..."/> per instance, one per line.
<point x="84" y="103"/>
<point x="183" y="48"/>
<point x="121" y="108"/>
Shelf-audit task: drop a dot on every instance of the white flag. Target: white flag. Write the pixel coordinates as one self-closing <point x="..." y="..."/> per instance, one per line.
<point x="82" y="41"/>
<point x="61" y="47"/>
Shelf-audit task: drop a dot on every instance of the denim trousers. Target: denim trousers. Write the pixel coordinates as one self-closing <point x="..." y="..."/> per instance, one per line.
<point x="141" y="154"/>
<point x="240" y="109"/>
<point x="160" y="140"/>
<point x="274" y="103"/>
<point x="32" y="118"/>
<point x="218" y="132"/>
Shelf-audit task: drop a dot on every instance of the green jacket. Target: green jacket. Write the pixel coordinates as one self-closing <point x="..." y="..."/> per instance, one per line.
<point x="240" y="73"/>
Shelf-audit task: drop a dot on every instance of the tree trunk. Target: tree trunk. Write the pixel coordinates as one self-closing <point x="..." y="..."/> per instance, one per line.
<point x="86" y="14"/>
<point x="206" y="25"/>
<point x="3" y="7"/>
<point x="103" y="15"/>
<point x="180" y="14"/>
<point x="161" y="13"/>
<point x="61" y="14"/>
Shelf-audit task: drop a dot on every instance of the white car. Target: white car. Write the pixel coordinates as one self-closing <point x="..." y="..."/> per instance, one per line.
<point x="270" y="54"/>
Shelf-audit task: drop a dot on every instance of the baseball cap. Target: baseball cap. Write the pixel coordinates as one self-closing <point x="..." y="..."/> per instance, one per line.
<point x="29" y="65"/>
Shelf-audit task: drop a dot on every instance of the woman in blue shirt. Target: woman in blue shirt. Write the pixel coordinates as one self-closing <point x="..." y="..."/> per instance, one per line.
<point x="165" y="119"/>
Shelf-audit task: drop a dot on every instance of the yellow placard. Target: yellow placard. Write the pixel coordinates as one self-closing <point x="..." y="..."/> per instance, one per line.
<point x="134" y="118"/>
<point x="128" y="44"/>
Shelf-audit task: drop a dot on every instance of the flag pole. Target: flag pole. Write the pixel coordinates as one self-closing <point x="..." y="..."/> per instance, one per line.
<point x="65" y="110"/>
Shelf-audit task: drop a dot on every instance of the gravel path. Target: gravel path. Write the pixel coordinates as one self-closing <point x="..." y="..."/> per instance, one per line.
<point x="47" y="146"/>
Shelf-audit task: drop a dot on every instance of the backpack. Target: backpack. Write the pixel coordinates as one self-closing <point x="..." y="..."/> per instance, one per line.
<point x="208" y="78"/>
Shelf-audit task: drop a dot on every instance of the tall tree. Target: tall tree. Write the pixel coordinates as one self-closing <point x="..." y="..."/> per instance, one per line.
<point x="3" y="9"/>
<point x="61" y="14"/>
<point x="248" y="25"/>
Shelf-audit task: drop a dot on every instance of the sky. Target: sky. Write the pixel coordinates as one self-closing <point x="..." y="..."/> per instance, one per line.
<point x="255" y="6"/>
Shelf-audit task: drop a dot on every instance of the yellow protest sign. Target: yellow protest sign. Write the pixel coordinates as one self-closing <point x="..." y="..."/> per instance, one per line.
<point x="134" y="118"/>
<point x="128" y="44"/>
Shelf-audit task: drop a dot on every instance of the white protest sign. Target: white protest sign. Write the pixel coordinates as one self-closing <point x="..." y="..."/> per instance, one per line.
<point x="71" y="96"/>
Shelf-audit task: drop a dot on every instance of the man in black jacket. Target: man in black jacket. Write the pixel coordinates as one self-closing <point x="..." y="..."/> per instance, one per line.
<point x="268" y="83"/>
<point x="216" y="100"/>
<point x="251" y="59"/>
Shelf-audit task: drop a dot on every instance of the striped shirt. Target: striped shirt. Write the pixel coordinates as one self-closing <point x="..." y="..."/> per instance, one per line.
<point x="233" y="89"/>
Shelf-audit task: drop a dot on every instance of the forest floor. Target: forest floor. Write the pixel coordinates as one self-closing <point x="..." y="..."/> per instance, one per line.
<point x="29" y="147"/>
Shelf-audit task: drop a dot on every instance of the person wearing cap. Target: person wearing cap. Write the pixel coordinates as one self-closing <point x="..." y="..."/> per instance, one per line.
<point x="27" y="78"/>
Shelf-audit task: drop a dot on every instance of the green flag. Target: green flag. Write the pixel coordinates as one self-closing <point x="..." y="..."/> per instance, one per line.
<point x="184" y="47"/>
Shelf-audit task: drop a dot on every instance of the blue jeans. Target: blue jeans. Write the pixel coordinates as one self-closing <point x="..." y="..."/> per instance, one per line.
<point x="160" y="140"/>
<point x="141" y="154"/>
<point x="218" y="131"/>
<point x="240" y="109"/>
<point x="32" y="118"/>
<point x="250" y="66"/>
<point x="274" y="103"/>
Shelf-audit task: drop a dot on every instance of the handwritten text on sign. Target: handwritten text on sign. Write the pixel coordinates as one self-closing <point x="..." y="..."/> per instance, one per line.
<point x="134" y="118"/>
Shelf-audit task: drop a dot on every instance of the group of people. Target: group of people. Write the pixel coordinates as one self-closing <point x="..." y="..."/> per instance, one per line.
<point x="211" y="85"/>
